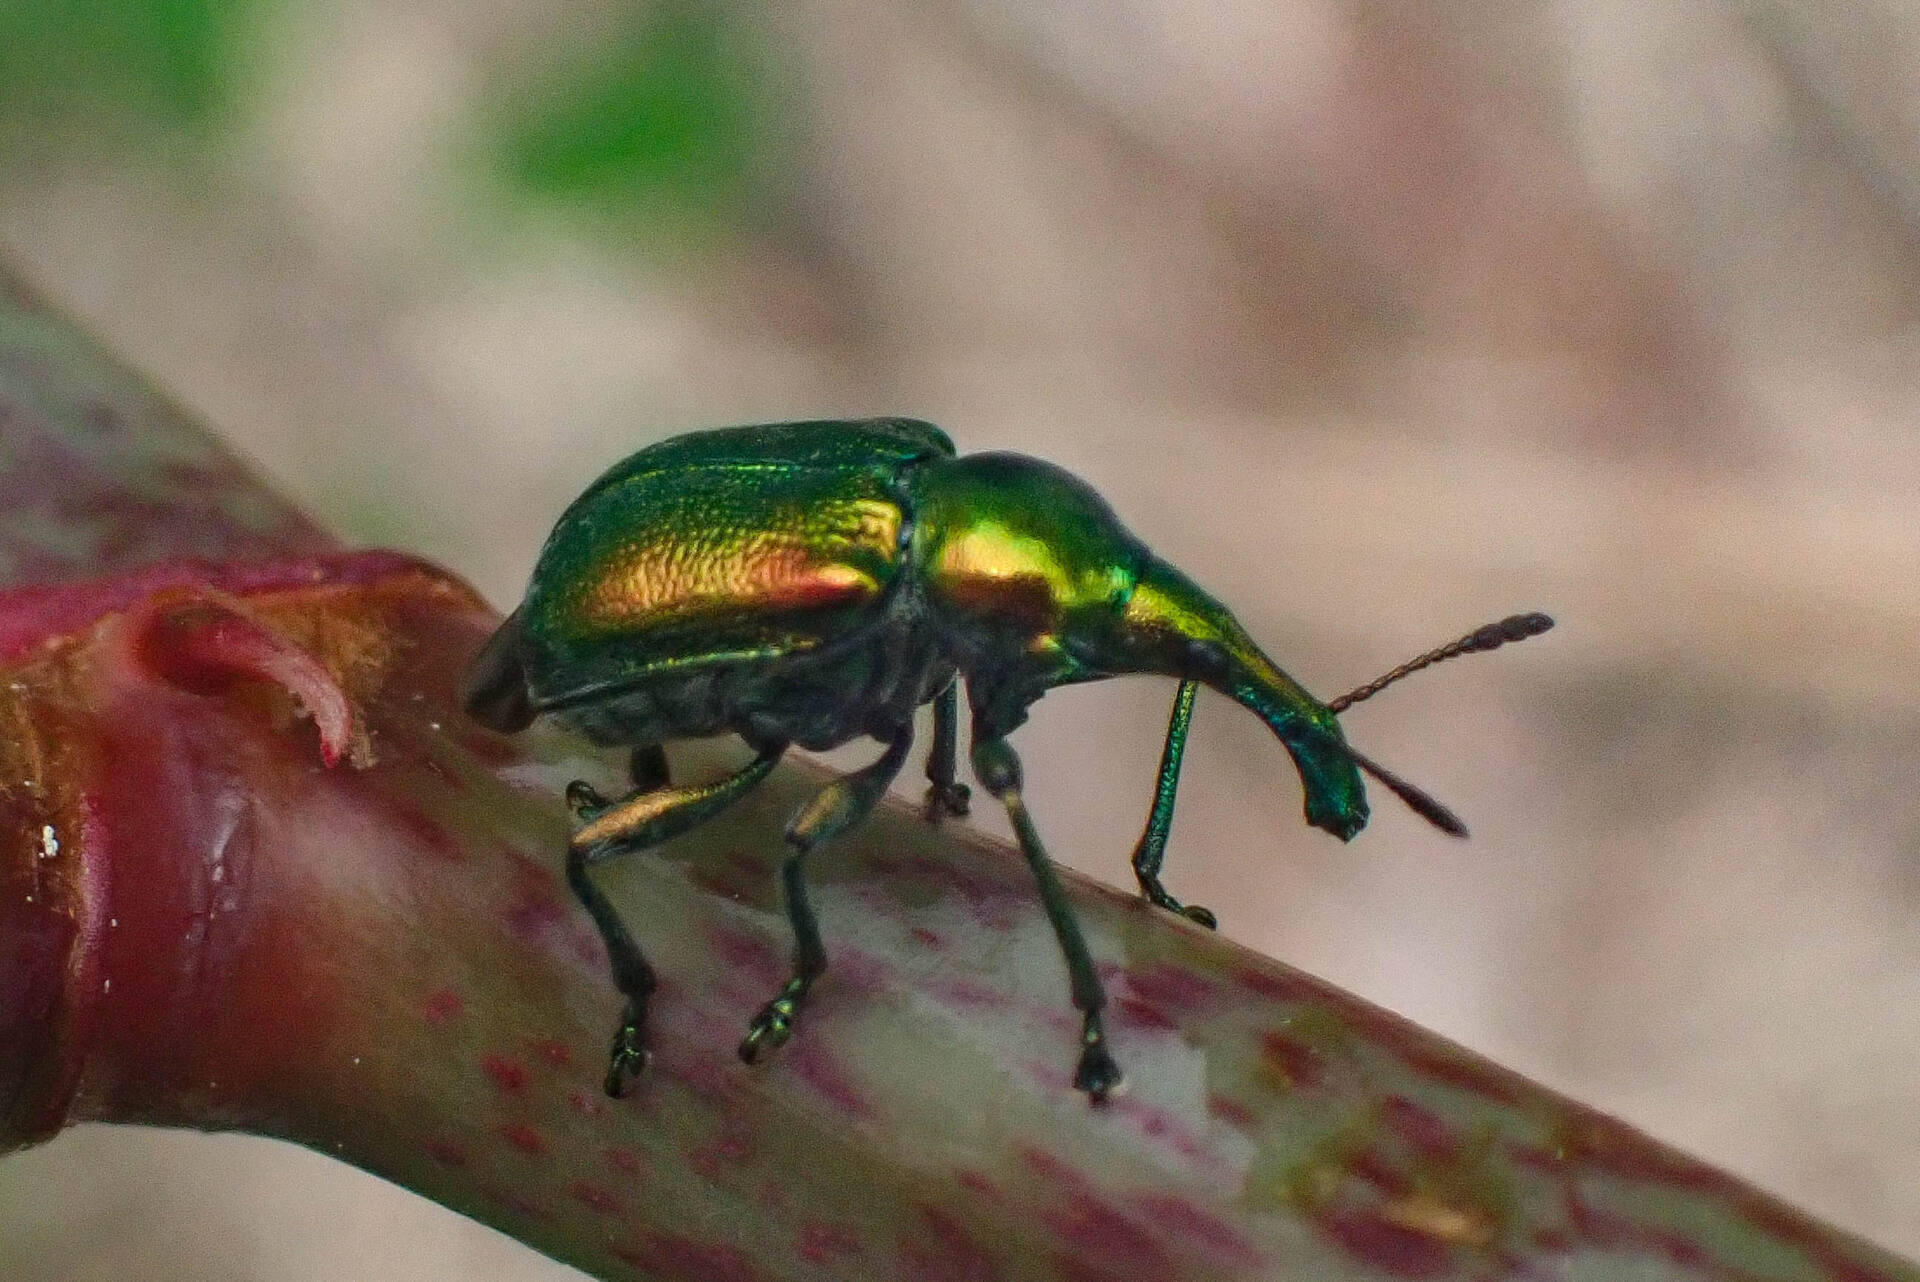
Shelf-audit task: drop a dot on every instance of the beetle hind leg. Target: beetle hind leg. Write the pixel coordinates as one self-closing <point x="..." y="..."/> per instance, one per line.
<point x="834" y="809"/>
<point x="998" y="769"/>
<point x="645" y="818"/>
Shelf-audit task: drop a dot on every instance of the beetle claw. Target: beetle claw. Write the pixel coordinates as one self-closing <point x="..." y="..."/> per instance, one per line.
<point x="770" y="1028"/>
<point x="1200" y="916"/>
<point x="947" y="799"/>
<point x="585" y="800"/>
<point x="630" y="1058"/>
<point x="1154" y="893"/>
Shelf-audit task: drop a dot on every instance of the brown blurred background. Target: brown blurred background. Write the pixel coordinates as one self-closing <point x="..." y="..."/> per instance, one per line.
<point x="1381" y="319"/>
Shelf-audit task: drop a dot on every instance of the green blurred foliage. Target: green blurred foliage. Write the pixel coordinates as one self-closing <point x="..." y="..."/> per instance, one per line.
<point x="653" y="117"/>
<point x="668" y="116"/>
<point x="111" y="69"/>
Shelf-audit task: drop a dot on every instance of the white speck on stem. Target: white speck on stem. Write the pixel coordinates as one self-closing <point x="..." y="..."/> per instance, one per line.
<point x="49" y="842"/>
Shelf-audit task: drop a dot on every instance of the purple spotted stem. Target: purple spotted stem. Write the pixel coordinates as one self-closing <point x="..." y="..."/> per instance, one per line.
<point x="257" y="873"/>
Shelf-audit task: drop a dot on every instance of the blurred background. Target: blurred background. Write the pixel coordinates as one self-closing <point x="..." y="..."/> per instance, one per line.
<point x="1382" y="320"/>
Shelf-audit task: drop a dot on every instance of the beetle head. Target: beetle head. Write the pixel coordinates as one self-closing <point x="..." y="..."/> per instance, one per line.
<point x="1038" y="584"/>
<point x="1169" y="625"/>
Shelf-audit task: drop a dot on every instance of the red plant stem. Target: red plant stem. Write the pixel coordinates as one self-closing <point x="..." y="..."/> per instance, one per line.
<point x="202" y="923"/>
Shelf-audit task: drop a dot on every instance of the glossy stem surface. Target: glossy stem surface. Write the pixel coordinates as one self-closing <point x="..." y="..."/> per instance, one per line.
<point x="203" y="924"/>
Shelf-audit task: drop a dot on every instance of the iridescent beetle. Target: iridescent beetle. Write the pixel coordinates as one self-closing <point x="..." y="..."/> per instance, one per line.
<point x="810" y="583"/>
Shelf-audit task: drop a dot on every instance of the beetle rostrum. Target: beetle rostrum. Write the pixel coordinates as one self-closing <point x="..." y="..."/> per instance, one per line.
<point x="808" y="584"/>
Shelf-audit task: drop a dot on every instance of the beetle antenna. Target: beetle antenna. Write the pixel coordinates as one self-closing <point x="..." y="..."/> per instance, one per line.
<point x="1417" y="799"/>
<point x="1516" y="627"/>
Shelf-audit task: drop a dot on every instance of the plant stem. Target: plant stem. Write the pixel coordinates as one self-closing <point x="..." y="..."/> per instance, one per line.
<point x="204" y="924"/>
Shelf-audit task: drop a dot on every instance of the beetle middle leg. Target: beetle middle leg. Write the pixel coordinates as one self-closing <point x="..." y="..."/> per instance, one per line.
<point x="644" y="818"/>
<point x="946" y="796"/>
<point x="1152" y="850"/>
<point x="998" y="769"/>
<point x="834" y="809"/>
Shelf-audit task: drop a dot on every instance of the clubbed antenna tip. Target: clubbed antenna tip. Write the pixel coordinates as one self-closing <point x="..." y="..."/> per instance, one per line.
<point x="1517" y="627"/>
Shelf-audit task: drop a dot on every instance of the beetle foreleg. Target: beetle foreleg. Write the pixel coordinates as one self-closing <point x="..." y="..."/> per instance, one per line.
<point x="834" y="809"/>
<point x="646" y="818"/>
<point x="1152" y="850"/>
<point x="998" y="769"/>
<point x="945" y="796"/>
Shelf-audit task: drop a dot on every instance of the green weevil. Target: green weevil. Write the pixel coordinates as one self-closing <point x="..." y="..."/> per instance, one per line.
<point x="806" y="584"/>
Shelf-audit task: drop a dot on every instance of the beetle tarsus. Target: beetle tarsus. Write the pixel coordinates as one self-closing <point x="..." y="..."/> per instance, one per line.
<point x="1154" y="893"/>
<point x="585" y="801"/>
<point x="630" y="1056"/>
<point x="1098" y="1075"/>
<point x="774" y="1024"/>
<point x="947" y="799"/>
<point x="1200" y="916"/>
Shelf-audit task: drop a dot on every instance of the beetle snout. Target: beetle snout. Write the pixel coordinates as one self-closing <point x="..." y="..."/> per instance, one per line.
<point x="1344" y="822"/>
